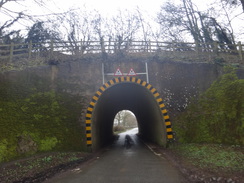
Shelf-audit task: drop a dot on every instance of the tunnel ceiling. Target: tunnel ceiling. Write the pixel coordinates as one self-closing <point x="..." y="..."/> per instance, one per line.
<point x="127" y="96"/>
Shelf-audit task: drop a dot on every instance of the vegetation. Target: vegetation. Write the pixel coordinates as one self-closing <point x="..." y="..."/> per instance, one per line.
<point x="217" y="116"/>
<point x="125" y="119"/>
<point x="36" y="119"/>
<point x="216" y="158"/>
<point x="39" y="167"/>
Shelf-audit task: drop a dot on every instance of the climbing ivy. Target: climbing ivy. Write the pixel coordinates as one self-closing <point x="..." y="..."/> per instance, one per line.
<point x="218" y="115"/>
<point x="3" y="149"/>
<point x="47" y="117"/>
<point x="48" y="143"/>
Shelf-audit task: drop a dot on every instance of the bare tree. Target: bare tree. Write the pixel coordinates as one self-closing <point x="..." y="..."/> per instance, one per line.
<point x="99" y="23"/>
<point x="145" y="27"/>
<point x="130" y="121"/>
<point x="119" y="118"/>
<point x="235" y="3"/>
<point x="12" y="17"/>
<point x="202" y="27"/>
<point x="173" y="22"/>
<point x="125" y="118"/>
<point x="123" y="28"/>
<point x="77" y="28"/>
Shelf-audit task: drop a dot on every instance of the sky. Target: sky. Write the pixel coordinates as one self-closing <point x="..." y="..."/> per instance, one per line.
<point x="105" y="7"/>
<point x="110" y="6"/>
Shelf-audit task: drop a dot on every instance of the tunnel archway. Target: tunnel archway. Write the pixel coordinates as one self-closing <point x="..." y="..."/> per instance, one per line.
<point x="127" y="93"/>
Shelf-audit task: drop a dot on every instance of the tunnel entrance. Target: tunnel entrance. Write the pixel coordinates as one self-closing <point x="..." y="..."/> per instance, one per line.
<point x="127" y="93"/>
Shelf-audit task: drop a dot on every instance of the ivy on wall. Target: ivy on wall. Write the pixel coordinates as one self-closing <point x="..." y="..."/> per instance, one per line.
<point x="34" y="115"/>
<point x="218" y="115"/>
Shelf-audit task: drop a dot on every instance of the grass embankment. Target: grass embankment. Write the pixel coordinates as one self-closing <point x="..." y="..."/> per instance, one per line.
<point x="214" y="158"/>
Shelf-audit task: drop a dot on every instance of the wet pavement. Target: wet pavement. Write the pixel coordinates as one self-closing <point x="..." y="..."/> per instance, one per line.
<point x="124" y="162"/>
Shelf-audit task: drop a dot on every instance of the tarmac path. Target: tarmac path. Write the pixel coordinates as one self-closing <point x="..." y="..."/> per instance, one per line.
<point x="121" y="164"/>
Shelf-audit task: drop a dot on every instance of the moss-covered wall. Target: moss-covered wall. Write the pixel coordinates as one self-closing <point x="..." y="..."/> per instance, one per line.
<point x="31" y="109"/>
<point x="41" y="109"/>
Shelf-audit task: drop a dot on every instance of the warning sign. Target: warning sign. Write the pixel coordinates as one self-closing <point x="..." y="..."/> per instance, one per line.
<point x="131" y="73"/>
<point x="118" y="73"/>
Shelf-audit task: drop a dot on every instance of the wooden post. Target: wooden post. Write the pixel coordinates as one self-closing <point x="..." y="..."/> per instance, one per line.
<point x="150" y="46"/>
<point x="240" y="51"/>
<point x="109" y="45"/>
<point x="215" y="48"/>
<point x="11" y="52"/>
<point x="29" y="49"/>
<point x="197" y="48"/>
<point x="81" y="47"/>
<point x="51" y="49"/>
<point x="102" y="45"/>
<point x="173" y="47"/>
<point x="147" y="45"/>
<point x="115" y="47"/>
<point x="158" y="47"/>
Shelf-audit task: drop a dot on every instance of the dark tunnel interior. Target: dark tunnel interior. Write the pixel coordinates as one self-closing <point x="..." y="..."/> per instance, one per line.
<point x="127" y="96"/>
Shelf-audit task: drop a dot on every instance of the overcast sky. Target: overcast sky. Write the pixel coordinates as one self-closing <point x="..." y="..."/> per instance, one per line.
<point x="105" y="7"/>
<point x="110" y="6"/>
<point x="150" y="8"/>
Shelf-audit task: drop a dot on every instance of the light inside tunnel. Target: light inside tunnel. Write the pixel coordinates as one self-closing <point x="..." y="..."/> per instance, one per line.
<point x="124" y="120"/>
<point x="121" y="94"/>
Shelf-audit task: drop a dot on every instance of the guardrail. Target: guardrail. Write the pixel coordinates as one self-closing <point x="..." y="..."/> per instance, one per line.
<point x="27" y="50"/>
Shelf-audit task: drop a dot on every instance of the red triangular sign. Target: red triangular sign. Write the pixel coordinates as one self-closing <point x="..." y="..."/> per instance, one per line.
<point x="131" y="73"/>
<point x="118" y="73"/>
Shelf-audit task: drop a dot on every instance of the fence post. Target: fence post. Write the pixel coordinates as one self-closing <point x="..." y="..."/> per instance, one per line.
<point x="240" y="51"/>
<point x="11" y="52"/>
<point x="81" y="47"/>
<point x="29" y="49"/>
<point x="147" y="46"/>
<point x="102" y="45"/>
<point x="51" y="49"/>
<point x="197" y="48"/>
<point x="215" y="48"/>
<point x="150" y="46"/>
<point x="173" y="47"/>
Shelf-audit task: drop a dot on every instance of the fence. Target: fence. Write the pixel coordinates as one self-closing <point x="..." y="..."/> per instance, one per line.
<point x="27" y="50"/>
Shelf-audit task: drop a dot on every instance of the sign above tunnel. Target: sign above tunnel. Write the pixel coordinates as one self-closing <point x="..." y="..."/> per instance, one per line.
<point x="118" y="73"/>
<point x="131" y="73"/>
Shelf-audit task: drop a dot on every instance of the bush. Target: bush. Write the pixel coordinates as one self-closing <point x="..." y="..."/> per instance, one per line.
<point x="3" y="150"/>
<point x="218" y="115"/>
<point x="48" y="144"/>
<point x="119" y="128"/>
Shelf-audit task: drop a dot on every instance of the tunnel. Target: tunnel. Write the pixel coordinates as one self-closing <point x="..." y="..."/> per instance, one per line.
<point x="132" y="94"/>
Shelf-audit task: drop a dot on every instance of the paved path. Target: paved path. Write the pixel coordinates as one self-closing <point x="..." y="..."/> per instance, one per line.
<point x="119" y="164"/>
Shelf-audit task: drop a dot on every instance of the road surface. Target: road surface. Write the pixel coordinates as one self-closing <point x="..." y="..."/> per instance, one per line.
<point x="120" y="164"/>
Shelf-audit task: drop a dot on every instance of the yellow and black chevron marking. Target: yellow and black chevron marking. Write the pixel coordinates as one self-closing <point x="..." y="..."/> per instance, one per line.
<point x="121" y="80"/>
